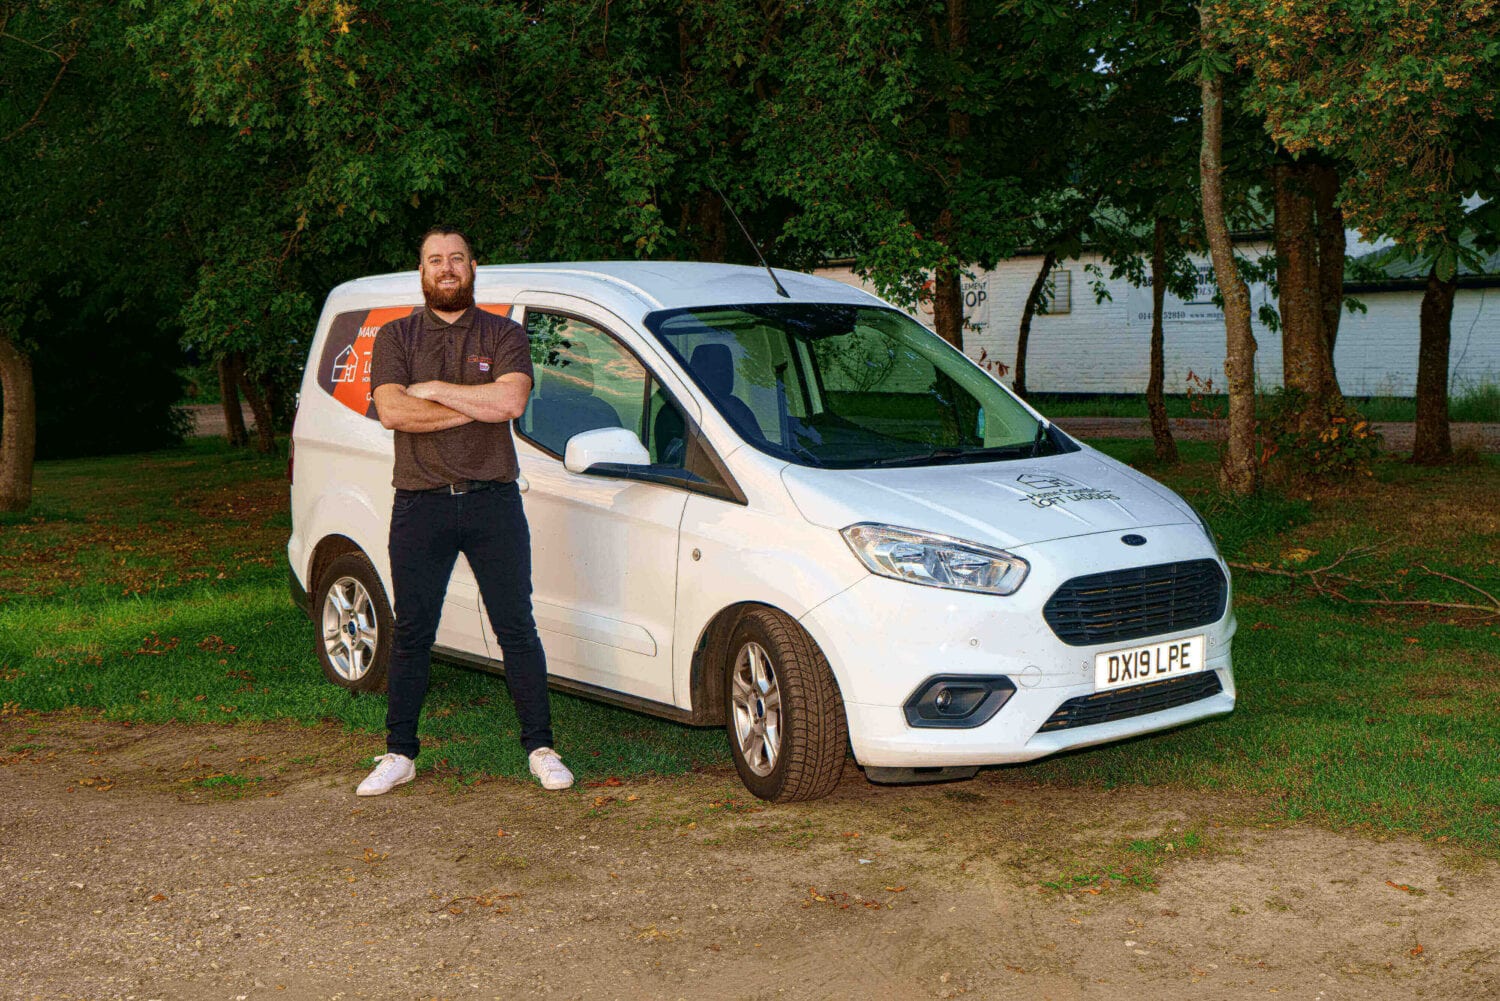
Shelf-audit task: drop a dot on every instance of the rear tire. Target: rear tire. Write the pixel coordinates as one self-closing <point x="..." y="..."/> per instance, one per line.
<point x="354" y="623"/>
<point x="783" y="710"/>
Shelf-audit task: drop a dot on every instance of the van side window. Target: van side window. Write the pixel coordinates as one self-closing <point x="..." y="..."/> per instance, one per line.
<point x="584" y="381"/>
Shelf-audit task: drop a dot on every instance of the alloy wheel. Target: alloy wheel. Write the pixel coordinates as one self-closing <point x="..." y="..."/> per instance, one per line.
<point x="755" y="701"/>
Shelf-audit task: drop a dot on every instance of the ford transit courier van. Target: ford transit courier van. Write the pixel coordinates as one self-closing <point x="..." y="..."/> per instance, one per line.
<point x="804" y="517"/>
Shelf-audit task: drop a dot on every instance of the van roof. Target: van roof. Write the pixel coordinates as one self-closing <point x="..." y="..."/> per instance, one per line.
<point x="629" y="288"/>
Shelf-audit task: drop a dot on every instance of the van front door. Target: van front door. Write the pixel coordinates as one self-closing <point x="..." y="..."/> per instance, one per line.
<point x="603" y="550"/>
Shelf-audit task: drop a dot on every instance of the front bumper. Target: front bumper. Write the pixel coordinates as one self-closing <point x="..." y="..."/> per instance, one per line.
<point x="884" y="638"/>
<point x="881" y="738"/>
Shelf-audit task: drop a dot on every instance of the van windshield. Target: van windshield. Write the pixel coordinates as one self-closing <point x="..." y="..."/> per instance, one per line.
<point x="844" y="386"/>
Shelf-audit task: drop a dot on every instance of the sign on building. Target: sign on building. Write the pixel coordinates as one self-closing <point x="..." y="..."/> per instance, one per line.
<point x="1201" y="308"/>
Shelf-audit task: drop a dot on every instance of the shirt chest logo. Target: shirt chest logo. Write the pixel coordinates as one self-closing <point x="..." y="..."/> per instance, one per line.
<point x="483" y="361"/>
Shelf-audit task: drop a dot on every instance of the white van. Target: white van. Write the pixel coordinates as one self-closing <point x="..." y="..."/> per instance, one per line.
<point x="803" y="516"/>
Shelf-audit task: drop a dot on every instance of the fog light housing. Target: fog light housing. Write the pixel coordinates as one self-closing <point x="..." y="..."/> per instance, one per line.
<point x="957" y="701"/>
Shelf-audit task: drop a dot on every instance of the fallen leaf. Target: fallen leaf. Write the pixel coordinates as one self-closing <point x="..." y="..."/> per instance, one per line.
<point x="851" y="834"/>
<point x="1399" y="886"/>
<point x="896" y="889"/>
<point x="500" y="832"/>
<point x="157" y="897"/>
<point x="1418" y="950"/>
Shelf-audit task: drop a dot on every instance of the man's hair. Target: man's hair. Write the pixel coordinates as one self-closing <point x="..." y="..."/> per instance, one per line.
<point x="445" y="231"/>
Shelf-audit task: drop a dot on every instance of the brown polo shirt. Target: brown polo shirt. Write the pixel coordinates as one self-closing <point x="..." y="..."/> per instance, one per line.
<point x="477" y="348"/>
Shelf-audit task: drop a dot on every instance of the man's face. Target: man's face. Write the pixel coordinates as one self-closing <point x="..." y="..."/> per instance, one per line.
<point x="447" y="273"/>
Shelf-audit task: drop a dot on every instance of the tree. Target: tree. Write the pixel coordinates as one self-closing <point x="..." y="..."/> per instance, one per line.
<point x="1403" y="92"/>
<point x="90" y="194"/>
<point x="572" y="130"/>
<point x="1309" y="280"/>
<point x="1239" y="472"/>
<point x="927" y="118"/>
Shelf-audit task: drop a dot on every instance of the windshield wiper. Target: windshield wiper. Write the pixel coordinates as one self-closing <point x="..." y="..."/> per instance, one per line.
<point x="943" y="456"/>
<point x="1041" y="436"/>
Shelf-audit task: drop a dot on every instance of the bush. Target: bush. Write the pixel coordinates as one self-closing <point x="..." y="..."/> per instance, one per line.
<point x="1343" y="446"/>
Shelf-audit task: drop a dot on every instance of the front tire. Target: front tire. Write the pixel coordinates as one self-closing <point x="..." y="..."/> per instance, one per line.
<point x="783" y="710"/>
<point x="354" y="623"/>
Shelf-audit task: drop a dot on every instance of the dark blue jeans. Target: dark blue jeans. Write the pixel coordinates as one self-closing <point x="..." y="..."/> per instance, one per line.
<point x="428" y="531"/>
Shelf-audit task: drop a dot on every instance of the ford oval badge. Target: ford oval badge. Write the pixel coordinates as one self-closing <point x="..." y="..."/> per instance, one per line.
<point x="1133" y="540"/>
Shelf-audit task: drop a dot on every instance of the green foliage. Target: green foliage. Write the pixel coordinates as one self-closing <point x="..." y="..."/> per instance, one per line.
<point x="1402" y="91"/>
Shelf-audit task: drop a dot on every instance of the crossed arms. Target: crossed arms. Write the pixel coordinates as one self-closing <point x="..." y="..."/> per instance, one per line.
<point x="437" y="406"/>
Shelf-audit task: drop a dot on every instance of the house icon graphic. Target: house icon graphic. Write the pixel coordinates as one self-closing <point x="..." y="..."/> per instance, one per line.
<point x="346" y="366"/>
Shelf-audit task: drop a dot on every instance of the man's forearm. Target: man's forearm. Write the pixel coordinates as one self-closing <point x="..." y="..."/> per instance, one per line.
<point x="400" y="412"/>
<point x="502" y="400"/>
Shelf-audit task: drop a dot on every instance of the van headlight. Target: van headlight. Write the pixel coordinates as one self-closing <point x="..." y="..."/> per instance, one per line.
<point x="935" y="560"/>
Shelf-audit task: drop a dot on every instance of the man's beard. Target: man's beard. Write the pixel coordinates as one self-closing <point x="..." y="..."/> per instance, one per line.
<point x="459" y="297"/>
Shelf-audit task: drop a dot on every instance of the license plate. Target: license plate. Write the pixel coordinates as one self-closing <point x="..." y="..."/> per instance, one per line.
<point x="1137" y="665"/>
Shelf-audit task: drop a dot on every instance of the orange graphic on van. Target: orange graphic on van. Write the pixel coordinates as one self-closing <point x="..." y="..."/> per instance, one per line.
<point x="344" y="372"/>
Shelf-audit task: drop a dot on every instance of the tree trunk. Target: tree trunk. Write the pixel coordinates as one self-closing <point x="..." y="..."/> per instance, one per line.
<point x="948" y="293"/>
<point x="948" y="305"/>
<point x="1304" y="349"/>
<point x="1433" y="445"/>
<point x="18" y="430"/>
<point x="1238" y="472"/>
<point x="1023" y="336"/>
<point x="1156" y="404"/>
<point x="1330" y="264"/>
<point x="265" y="425"/>
<point x="229" y="397"/>
<point x="702" y="221"/>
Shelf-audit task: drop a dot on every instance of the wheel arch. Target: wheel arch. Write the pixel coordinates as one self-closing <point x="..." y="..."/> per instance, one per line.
<point x="707" y="677"/>
<point x="346" y="520"/>
<point x="328" y="549"/>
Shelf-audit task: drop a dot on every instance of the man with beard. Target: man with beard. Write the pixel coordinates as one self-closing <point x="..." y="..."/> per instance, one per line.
<point x="449" y="380"/>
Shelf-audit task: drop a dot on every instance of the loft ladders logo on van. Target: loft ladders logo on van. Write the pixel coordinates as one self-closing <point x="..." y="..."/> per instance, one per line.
<point x="1050" y="489"/>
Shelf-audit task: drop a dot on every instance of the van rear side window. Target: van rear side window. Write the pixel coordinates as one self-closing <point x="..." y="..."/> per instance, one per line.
<point x="344" y="369"/>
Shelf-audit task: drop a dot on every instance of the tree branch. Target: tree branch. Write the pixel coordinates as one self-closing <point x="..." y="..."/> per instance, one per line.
<point x="37" y="114"/>
<point x="1333" y="585"/>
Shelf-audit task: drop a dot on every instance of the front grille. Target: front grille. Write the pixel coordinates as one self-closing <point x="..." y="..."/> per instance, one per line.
<point x="1131" y="604"/>
<point x="1137" y="700"/>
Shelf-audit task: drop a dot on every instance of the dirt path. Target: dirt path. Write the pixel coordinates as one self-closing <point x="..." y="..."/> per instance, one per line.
<point x="197" y="863"/>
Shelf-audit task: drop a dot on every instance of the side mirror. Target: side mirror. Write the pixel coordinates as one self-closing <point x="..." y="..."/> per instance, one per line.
<point x="619" y="446"/>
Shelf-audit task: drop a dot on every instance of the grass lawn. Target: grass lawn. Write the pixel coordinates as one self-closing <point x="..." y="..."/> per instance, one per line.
<point x="153" y="588"/>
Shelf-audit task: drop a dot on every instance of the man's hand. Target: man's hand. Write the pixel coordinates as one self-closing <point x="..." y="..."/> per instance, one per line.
<point x="400" y="410"/>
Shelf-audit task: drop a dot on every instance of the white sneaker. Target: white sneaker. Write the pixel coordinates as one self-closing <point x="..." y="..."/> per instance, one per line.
<point x="390" y="771"/>
<point x="547" y="766"/>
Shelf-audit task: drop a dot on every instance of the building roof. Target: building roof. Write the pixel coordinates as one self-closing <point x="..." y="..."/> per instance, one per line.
<point x="1383" y="271"/>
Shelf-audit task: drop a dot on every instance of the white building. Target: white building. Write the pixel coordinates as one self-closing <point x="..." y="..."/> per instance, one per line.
<point x="1086" y="346"/>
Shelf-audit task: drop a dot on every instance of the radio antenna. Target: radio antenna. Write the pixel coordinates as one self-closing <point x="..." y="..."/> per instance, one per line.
<point x="750" y="240"/>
